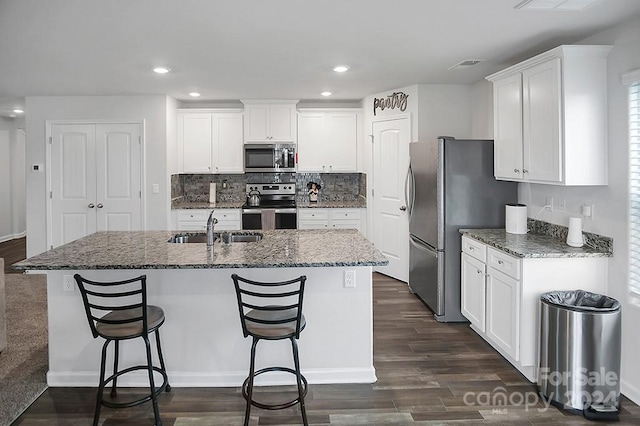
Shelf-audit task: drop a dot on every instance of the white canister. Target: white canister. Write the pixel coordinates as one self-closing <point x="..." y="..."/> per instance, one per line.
<point x="574" y="237"/>
<point x="516" y="219"/>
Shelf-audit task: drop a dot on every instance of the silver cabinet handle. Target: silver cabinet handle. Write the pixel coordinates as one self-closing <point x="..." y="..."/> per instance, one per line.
<point x="471" y="248"/>
<point x="479" y="271"/>
<point x="525" y="171"/>
<point x="91" y="205"/>
<point x="516" y="170"/>
<point x="500" y="262"/>
<point x="100" y="205"/>
<point x="403" y="208"/>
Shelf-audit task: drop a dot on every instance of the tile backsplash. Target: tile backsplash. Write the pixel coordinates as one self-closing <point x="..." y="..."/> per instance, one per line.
<point x="231" y="187"/>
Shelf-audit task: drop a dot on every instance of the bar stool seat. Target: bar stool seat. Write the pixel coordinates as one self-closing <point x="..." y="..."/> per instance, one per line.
<point x="118" y="311"/>
<point x="269" y="321"/>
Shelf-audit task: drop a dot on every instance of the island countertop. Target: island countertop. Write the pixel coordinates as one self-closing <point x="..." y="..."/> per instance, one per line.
<point x="151" y="250"/>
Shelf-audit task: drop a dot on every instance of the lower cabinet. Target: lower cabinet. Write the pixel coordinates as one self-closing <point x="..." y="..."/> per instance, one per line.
<point x="315" y="218"/>
<point x="501" y="296"/>
<point x="196" y="219"/>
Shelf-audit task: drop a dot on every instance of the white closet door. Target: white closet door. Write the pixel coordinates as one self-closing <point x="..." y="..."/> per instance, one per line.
<point x="118" y="198"/>
<point x="73" y="182"/>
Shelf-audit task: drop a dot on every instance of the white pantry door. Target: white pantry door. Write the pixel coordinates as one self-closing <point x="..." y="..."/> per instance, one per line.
<point x="390" y="221"/>
<point x="95" y="179"/>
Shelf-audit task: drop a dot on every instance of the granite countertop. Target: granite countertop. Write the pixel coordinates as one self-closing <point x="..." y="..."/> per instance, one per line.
<point x="180" y="204"/>
<point x="150" y="250"/>
<point x="535" y="245"/>
<point x="327" y="204"/>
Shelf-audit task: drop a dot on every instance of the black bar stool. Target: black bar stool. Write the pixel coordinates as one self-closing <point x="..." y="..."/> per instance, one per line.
<point x="118" y="311"/>
<point x="272" y="311"/>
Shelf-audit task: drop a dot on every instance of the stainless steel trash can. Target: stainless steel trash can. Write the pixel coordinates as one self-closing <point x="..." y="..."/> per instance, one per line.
<point x="580" y="339"/>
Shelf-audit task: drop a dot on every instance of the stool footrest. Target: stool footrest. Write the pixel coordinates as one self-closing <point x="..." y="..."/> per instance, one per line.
<point x="158" y="390"/>
<point x="274" y="406"/>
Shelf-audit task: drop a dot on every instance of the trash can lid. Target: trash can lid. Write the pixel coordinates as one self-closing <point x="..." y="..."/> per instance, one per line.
<point x="581" y="300"/>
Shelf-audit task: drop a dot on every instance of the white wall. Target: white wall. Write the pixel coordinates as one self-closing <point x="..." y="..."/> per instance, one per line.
<point x="610" y="202"/>
<point x="12" y="186"/>
<point x="151" y="109"/>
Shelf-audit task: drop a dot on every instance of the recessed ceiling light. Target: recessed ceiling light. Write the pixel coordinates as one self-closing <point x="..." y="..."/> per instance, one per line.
<point x="326" y="93"/>
<point x="341" y="68"/>
<point x="161" y="70"/>
<point x="18" y="111"/>
<point x="194" y="94"/>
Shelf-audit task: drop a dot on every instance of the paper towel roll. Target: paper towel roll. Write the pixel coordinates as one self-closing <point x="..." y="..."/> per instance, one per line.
<point x="212" y="193"/>
<point x="516" y="219"/>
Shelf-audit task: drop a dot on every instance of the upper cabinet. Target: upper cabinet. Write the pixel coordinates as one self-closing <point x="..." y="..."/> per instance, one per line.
<point x="550" y="113"/>
<point x="328" y="140"/>
<point x="210" y="141"/>
<point x="269" y="121"/>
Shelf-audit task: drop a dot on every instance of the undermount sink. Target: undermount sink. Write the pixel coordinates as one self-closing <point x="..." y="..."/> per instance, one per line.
<point x="202" y="238"/>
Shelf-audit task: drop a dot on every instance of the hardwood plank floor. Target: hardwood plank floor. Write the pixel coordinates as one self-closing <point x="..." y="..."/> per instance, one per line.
<point x="13" y="251"/>
<point x="428" y="373"/>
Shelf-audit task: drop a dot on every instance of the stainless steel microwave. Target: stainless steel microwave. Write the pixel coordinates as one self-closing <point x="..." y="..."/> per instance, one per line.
<point x="260" y="157"/>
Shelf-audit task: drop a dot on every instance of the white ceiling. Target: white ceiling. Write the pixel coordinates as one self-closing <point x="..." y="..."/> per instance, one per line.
<point x="271" y="49"/>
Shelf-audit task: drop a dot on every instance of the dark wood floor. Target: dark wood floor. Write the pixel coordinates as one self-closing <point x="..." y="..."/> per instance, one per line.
<point x="428" y="373"/>
<point x="13" y="251"/>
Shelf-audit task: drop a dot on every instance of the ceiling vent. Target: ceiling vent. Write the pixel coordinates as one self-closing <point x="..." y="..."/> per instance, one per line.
<point x="467" y="63"/>
<point x="555" y="4"/>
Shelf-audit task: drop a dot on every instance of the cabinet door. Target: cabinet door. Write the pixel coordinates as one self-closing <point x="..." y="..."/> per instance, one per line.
<point x="541" y="122"/>
<point x="282" y="123"/>
<point x="311" y="139"/>
<point x="503" y="312"/>
<point x="473" y="291"/>
<point x="507" y="98"/>
<point x="342" y="137"/>
<point x="227" y="143"/>
<point x="195" y="139"/>
<point x="256" y="122"/>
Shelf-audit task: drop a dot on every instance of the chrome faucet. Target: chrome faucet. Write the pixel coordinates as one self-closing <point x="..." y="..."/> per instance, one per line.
<point x="210" y="224"/>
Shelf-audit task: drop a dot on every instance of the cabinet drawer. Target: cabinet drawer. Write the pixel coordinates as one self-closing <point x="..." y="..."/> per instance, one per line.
<point x="313" y="224"/>
<point x="226" y="214"/>
<point x="193" y="215"/>
<point x="474" y="248"/>
<point x="350" y="214"/>
<point x="504" y="263"/>
<point x="317" y="214"/>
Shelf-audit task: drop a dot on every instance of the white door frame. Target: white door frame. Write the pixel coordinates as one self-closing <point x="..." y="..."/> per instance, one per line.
<point x="371" y="211"/>
<point x="48" y="141"/>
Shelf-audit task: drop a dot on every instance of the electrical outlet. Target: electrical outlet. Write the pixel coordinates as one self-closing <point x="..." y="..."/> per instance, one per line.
<point x="68" y="283"/>
<point x="548" y="204"/>
<point x="350" y="279"/>
<point x="562" y="204"/>
<point x="587" y="210"/>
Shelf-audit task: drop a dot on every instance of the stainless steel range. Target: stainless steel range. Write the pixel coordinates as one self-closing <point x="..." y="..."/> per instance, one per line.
<point x="281" y="197"/>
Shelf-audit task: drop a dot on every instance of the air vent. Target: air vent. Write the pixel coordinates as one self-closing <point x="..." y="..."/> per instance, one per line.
<point x="467" y="63"/>
<point x="555" y="4"/>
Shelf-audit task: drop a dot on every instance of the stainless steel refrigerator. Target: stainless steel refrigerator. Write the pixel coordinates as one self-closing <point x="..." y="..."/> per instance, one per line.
<point x="450" y="185"/>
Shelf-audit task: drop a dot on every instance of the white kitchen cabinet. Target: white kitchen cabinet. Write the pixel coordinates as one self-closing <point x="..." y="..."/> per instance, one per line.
<point x="317" y="218"/>
<point x="210" y="142"/>
<point x="502" y="292"/>
<point x="550" y="118"/>
<point x="328" y="140"/>
<point x="196" y="219"/>
<point x="270" y="121"/>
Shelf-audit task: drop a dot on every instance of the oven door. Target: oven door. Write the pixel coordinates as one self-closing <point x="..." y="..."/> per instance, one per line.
<point x="285" y="219"/>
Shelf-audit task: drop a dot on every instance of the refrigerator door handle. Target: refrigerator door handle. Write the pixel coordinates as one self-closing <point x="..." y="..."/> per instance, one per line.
<point x="408" y="199"/>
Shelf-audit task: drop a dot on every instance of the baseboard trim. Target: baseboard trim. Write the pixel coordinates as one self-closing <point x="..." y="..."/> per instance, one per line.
<point x="630" y="391"/>
<point x="231" y="379"/>
<point x="6" y="238"/>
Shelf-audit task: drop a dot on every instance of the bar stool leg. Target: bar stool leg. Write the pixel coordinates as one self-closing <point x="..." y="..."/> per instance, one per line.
<point x="116" y="353"/>
<point x="296" y="362"/>
<point x="103" y="361"/>
<point x="168" y="387"/>
<point x="252" y="368"/>
<point x="152" y="386"/>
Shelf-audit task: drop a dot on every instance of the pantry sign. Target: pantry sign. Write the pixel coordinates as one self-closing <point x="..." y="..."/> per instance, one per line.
<point x="393" y="101"/>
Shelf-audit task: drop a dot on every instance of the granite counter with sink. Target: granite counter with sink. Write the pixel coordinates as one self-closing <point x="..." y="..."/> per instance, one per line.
<point x="202" y="337"/>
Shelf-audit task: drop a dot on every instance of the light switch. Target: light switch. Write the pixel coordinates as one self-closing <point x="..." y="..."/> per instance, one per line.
<point x="155" y="188"/>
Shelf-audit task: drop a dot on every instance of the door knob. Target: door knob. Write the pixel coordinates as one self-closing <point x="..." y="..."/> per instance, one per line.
<point x="100" y="205"/>
<point x="91" y="205"/>
<point x="403" y="208"/>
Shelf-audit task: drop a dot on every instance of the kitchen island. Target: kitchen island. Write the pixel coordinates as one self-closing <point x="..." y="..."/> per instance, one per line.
<point x="202" y="337"/>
